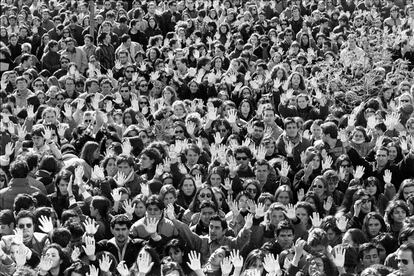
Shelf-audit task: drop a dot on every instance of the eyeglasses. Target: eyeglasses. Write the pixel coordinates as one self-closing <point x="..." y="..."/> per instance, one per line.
<point x="27" y="225"/>
<point x="205" y="195"/>
<point x="404" y="261"/>
<point x="318" y="186"/>
<point x="405" y="101"/>
<point x="241" y="158"/>
<point x="125" y="91"/>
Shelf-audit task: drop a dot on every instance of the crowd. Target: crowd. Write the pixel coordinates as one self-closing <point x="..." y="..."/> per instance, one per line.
<point x="199" y="137"/>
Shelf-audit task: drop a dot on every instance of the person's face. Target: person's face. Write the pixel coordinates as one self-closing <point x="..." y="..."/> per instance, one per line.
<point x="292" y="130"/>
<point x="124" y="168"/>
<point x="26" y="224"/>
<point x="358" y="137"/>
<point x="331" y="234"/>
<point x="315" y="266"/>
<point x="215" y="180"/>
<point x="243" y="203"/>
<point x="206" y="214"/>
<point x="283" y="198"/>
<point x="347" y="240"/>
<point x="216" y="232"/>
<point x="316" y="131"/>
<point x="302" y="215"/>
<point x="366" y="205"/>
<point x="38" y="141"/>
<point x="268" y="116"/>
<point x="63" y="187"/>
<point x="381" y="157"/>
<point x="392" y="151"/>
<point x="70" y="45"/>
<point x="258" y="132"/>
<point x="405" y="262"/>
<point x="111" y="167"/>
<point x="6" y="229"/>
<point x="285" y="238"/>
<point x="302" y="102"/>
<point x="169" y="198"/>
<point x="188" y="187"/>
<point x="120" y="233"/>
<point x="176" y="255"/>
<point x="251" y="190"/>
<point x="374" y="227"/>
<point x="154" y="212"/>
<point x="245" y="108"/>
<point x="21" y="85"/>
<point x="261" y="173"/>
<point x="53" y="255"/>
<point x="146" y="162"/>
<point x="319" y="188"/>
<point x="178" y="110"/>
<point x="205" y="194"/>
<point x="243" y="160"/>
<point x="371" y="188"/>
<point x="276" y="216"/>
<point x="270" y="149"/>
<point x="179" y="132"/>
<point x="399" y="215"/>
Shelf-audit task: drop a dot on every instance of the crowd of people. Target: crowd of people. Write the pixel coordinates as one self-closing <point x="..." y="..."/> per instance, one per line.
<point x="200" y="137"/>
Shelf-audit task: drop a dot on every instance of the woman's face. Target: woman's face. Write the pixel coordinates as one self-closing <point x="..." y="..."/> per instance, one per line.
<point x="316" y="267"/>
<point x="50" y="117"/>
<point x="366" y="205"/>
<point x="217" y="257"/>
<point x="111" y="167"/>
<point x="243" y="203"/>
<point x="245" y="108"/>
<point x="319" y="188"/>
<point x="146" y="162"/>
<point x="283" y="198"/>
<point x="347" y="240"/>
<point x="38" y="141"/>
<point x="63" y="187"/>
<point x="254" y="40"/>
<point x="392" y="153"/>
<point x="178" y="110"/>
<point x="215" y="180"/>
<point x="316" y="161"/>
<point x="169" y="198"/>
<point x="167" y="95"/>
<point x="179" y="132"/>
<point x="408" y="191"/>
<point x="358" y="137"/>
<point x="53" y="255"/>
<point x="188" y="187"/>
<point x="251" y="190"/>
<point x="302" y="215"/>
<point x="371" y="188"/>
<point x="295" y="80"/>
<point x="219" y="198"/>
<point x="176" y="255"/>
<point x="316" y="131"/>
<point x="276" y="216"/>
<point x="192" y="157"/>
<point x="257" y="266"/>
<point x="302" y="102"/>
<point x="127" y="119"/>
<point x="399" y="215"/>
<point x="144" y="137"/>
<point x="374" y="227"/>
<point x="140" y="209"/>
<point x="270" y="149"/>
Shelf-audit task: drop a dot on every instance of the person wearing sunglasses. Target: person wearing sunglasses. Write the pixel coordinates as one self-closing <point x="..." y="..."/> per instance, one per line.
<point x="405" y="260"/>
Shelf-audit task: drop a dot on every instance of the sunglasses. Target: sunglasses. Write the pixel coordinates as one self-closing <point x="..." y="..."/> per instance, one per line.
<point x="318" y="186"/>
<point x="27" y="225"/>
<point x="205" y="195"/>
<point x="241" y="158"/>
<point x="404" y="261"/>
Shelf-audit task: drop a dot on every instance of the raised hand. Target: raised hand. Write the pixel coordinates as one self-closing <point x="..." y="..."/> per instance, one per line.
<point x="227" y="184"/>
<point x="270" y="264"/>
<point x="339" y="258"/>
<point x="120" y="179"/>
<point x="79" y="171"/>
<point x="299" y="244"/>
<point x="169" y="212"/>
<point x="151" y="226"/>
<point x="20" y="258"/>
<point x="90" y="227"/>
<point x="301" y="194"/>
<point x="194" y="261"/>
<point x="342" y="223"/>
<point x="45" y="264"/>
<point x="47" y="134"/>
<point x="232" y="116"/>
<point x="342" y="173"/>
<point x="105" y="263"/>
<point x="261" y="153"/>
<point x="75" y="254"/>
<point x="30" y="112"/>
<point x="8" y="151"/>
<point x="89" y="247"/>
<point x="248" y="221"/>
<point x="359" y="172"/>
<point x="18" y="236"/>
<point x="284" y="170"/>
<point x="145" y="189"/>
<point x="217" y="138"/>
<point x="116" y="195"/>
<point x="236" y="259"/>
<point x="327" y="163"/>
<point x="260" y="210"/>
<point x="93" y="271"/>
<point x="387" y="176"/>
<point x="128" y="207"/>
<point x="46" y="224"/>
<point x="316" y="220"/>
<point x="327" y="205"/>
<point x="97" y="173"/>
<point x="290" y="212"/>
<point x="122" y="269"/>
<point x="289" y="148"/>
<point x="226" y="266"/>
<point x="126" y="147"/>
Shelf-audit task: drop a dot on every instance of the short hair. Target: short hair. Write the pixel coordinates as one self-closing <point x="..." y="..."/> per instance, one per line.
<point x="288" y="121"/>
<point x="317" y="237"/>
<point x="89" y="37"/>
<point x="221" y="220"/>
<point x="125" y="158"/>
<point x="284" y="225"/>
<point x="6" y="217"/>
<point x="154" y="200"/>
<point x="208" y="204"/>
<point x="331" y="129"/>
<point x="25" y="214"/>
<point x="408" y="247"/>
<point x="24" y="202"/>
<point x="19" y="169"/>
<point x="61" y="236"/>
<point x="121" y="219"/>
<point x="366" y="247"/>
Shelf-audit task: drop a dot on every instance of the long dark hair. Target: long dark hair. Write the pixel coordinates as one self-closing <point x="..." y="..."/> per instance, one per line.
<point x="195" y="203"/>
<point x="87" y="152"/>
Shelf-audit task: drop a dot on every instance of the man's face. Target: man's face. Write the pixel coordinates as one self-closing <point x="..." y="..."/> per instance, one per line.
<point x="120" y="233"/>
<point x="381" y="157"/>
<point x="124" y="168"/>
<point x="292" y="130"/>
<point x="258" y="132"/>
<point x="70" y="45"/>
<point x="262" y="172"/>
<point x="268" y="116"/>
<point x="13" y="40"/>
<point x="405" y="262"/>
<point x="45" y="15"/>
<point x="216" y="231"/>
<point x="123" y="58"/>
<point x="242" y="159"/>
<point x="21" y="85"/>
<point x="285" y="238"/>
<point x="6" y="229"/>
<point x="26" y="224"/>
<point x="205" y="215"/>
<point x="370" y="257"/>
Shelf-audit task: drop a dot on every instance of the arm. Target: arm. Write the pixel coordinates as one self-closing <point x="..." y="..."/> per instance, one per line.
<point x="185" y="233"/>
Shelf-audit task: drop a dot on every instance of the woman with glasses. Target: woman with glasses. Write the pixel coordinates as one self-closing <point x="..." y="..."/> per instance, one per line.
<point x="204" y="192"/>
<point x="362" y="204"/>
